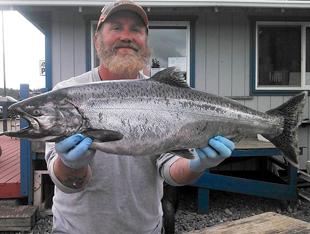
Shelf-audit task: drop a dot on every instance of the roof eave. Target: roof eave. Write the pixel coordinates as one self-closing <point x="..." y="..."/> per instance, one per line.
<point x="164" y="3"/>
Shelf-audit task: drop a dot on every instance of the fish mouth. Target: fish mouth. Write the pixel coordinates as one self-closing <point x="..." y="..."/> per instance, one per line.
<point x="31" y="131"/>
<point x="17" y="133"/>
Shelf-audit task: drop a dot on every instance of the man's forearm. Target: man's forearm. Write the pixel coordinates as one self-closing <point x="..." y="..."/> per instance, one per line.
<point x="72" y="178"/>
<point x="181" y="173"/>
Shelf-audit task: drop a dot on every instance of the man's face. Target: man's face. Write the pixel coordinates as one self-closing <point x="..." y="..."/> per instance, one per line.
<point x="122" y="45"/>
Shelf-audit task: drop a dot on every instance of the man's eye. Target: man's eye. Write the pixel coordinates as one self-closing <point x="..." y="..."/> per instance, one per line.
<point x="136" y="30"/>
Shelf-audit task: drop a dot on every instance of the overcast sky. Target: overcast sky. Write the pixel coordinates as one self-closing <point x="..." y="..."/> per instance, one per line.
<point x="24" y="48"/>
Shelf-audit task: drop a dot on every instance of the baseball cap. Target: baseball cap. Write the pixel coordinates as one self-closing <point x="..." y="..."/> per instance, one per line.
<point x="111" y="8"/>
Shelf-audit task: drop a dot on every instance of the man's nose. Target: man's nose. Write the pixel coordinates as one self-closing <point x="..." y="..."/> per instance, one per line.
<point x="126" y="36"/>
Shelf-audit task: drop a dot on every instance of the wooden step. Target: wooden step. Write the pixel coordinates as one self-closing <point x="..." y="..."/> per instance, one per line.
<point x="268" y="222"/>
<point x="17" y="218"/>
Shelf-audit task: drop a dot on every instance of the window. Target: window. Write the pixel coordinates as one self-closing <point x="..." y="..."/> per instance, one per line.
<point x="170" y="42"/>
<point x="280" y="49"/>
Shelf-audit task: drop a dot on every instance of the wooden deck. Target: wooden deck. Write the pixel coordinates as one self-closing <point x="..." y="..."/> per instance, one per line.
<point x="10" y="167"/>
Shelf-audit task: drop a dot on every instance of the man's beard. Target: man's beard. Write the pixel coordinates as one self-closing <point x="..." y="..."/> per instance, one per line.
<point x="124" y="63"/>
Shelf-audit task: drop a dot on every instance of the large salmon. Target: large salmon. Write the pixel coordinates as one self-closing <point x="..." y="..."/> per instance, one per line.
<point x="154" y="116"/>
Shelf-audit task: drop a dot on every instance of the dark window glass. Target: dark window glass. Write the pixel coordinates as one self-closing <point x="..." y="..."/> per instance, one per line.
<point x="169" y="48"/>
<point x="279" y="56"/>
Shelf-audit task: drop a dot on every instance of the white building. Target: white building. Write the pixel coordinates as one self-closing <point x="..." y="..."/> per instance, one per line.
<point x="257" y="52"/>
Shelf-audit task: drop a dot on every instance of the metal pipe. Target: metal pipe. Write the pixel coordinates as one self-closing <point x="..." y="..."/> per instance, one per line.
<point x="4" y="81"/>
<point x="3" y="54"/>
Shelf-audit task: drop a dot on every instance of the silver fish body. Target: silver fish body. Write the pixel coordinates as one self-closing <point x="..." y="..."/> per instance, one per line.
<point x="157" y="118"/>
<point x="147" y="117"/>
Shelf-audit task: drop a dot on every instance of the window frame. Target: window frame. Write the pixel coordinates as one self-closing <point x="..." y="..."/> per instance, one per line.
<point x="275" y="90"/>
<point x="93" y="26"/>
<point x="180" y="24"/>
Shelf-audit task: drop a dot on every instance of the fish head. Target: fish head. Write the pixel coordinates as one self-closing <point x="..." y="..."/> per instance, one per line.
<point x="50" y="116"/>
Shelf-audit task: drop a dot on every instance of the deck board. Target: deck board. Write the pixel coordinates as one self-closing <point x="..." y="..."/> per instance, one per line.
<point x="8" y="162"/>
<point x="10" y="167"/>
<point x="14" y="170"/>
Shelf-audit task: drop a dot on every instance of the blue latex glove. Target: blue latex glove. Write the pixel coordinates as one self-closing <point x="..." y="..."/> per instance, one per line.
<point x="74" y="152"/>
<point x="219" y="149"/>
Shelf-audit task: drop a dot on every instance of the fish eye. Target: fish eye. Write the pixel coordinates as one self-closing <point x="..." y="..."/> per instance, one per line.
<point x="36" y="112"/>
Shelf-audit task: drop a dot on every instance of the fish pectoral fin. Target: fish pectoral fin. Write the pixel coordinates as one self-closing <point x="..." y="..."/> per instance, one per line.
<point x="184" y="153"/>
<point x="236" y="137"/>
<point x="103" y="135"/>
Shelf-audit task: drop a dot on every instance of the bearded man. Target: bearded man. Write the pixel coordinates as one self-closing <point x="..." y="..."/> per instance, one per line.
<point x="97" y="192"/>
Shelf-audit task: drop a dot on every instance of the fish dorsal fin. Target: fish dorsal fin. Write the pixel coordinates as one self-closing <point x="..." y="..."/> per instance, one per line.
<point x="171" y="76"/>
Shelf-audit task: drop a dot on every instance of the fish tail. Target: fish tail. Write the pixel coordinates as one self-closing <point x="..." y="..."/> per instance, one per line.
<point x="287" y="141"/>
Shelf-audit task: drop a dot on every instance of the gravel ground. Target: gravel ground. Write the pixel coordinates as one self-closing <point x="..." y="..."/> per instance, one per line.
<point x="224" y="207"/>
